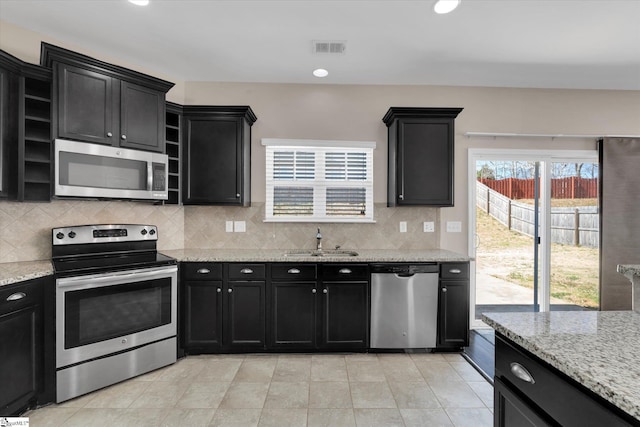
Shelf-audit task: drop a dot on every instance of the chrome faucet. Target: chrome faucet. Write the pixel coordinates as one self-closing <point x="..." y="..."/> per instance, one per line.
<point x="319" y="241"/>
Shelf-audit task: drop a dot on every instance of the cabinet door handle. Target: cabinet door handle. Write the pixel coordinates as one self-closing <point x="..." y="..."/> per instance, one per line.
<point x="455" y="271"/>
<point x="203" y="271"/>
<point x="123" y="136"/>
<point x="109" y="134"/>
<point x="218" y="290"/>
<point x="344" y="271"/>
<point x="229" y="290"/>
<point x="521" y="373"/>
<point x="17" y="296"/>
<point x="401" y="197"/>
<point x="246" y="271"/>
<point x="293" y="271"/>
<point x="313" y="291"/>
<point x="325" y="291"/>
<point x="444" y="289"/>
<point x="237" y="195"/>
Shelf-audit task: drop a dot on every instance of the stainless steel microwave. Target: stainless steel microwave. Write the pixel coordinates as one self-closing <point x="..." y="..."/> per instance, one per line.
<point x="105" y="172"/>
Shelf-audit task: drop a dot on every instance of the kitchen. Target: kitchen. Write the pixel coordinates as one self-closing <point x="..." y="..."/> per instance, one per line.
<point x="350" y="112"/>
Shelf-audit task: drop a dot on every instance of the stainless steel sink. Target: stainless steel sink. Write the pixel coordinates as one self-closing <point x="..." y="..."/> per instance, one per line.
<point x="329" y="252"/>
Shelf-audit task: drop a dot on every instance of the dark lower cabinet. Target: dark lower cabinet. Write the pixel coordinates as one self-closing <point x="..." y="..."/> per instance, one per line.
<point x="293" y="314"/>
<point x="21" y="352"/>
<point x="245" y="320"/>
<point x="320" y="306"/>
<point x="529" y="392"/>
<point x="202" y="320"/>
<point x="453" y="305"/>
<point x="345" y="315"/>
<point x="220" y="314"/>
<point x="511" y="410"/>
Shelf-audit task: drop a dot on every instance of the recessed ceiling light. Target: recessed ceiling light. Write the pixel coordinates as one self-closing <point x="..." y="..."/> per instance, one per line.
<point x="445" y="6"/>
<point x="139" y="2"/>
<point x="320" y="72"/>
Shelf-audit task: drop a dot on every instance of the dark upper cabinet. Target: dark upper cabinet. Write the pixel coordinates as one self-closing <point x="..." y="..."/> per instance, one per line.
<point x="217" y="155"/>
<point x="453" y="305"/>
<point x="22" y="354"/>
<point x="9" y="71"/>
<point x="420" y="156"/>
<point x="106" y="104"/>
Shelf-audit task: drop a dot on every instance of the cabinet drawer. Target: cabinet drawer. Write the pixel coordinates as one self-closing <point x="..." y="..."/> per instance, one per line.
<point x="564" y="400"/>
<point x="454" y="270"/>
<point x="246" y="271"/>
<point x="294" y="271"/>
<point x="15" y="297"/>
<point x="345" y="272"/>
<point x="201" y="270"/>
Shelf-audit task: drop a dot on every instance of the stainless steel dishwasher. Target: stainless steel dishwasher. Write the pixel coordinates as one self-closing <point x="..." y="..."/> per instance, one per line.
<point x="404" y="305"/>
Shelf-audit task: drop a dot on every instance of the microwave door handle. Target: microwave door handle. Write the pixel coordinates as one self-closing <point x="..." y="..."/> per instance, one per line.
<point x="149" y="175"/>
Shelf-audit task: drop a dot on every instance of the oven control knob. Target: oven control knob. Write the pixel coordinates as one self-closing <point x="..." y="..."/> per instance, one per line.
<point x="72" y="234"/>
<point x="60" y="235"/>
<point x="124" y="340"/>
<point x="152" y="231"/>
<point x="144" y="231"/>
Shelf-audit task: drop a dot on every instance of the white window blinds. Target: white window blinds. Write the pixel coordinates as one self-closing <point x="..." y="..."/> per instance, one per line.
<point x="319" y="181"/>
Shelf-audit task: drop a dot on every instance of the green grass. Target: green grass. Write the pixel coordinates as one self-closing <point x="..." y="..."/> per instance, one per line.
<point x="574" y="269"/>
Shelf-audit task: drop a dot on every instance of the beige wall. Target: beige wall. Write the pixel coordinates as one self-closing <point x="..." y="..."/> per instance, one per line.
<point x="354" y="112"/>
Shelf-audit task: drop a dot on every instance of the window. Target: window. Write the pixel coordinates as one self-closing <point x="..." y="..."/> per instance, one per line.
<point x="319" y="181"/>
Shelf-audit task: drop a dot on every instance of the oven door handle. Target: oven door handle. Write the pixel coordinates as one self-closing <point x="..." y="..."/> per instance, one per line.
<point x="121" y="276"/>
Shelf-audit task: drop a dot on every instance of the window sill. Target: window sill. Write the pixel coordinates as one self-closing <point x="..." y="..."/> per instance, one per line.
<point x="323" y="220"/>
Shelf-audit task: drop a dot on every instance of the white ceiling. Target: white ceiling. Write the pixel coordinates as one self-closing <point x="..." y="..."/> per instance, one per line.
<point x="512" y="43"/>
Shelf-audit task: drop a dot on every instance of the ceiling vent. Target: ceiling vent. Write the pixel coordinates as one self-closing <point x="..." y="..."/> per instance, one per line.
<point x="329" y="47"/>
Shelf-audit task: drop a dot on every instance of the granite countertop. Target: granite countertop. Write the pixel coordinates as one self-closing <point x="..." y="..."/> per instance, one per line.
<point x="278" y="255"/>
<point x="598" y="349"/>
<point x="13" y="272"/>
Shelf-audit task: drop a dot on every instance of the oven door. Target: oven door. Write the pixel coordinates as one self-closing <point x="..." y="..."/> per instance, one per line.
<point x="101" y="314"/>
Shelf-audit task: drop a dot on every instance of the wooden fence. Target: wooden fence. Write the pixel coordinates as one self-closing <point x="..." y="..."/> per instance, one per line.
<point x="561" y="188"/>
<point x="577" y="226"/>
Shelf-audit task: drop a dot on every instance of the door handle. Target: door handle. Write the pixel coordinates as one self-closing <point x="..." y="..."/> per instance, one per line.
<point x="344" y="271"/>
<point x="293" y="271"/>
<point x="455" y="271"/>
<point x="203" y="271"/>
<point x="246" y="271"/>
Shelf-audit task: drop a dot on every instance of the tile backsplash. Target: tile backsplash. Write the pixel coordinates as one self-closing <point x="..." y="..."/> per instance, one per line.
<point x="25" y="228"/>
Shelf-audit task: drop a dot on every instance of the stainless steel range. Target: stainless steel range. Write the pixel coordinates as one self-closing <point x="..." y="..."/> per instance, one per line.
<point x="116" y="306"/>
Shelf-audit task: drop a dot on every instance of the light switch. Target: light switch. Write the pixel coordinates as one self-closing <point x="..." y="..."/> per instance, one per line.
<point x="403" y="226"/>
<point x="240" y="226"/>
<point x="228" y="226"/>
<point x="428" y="227"/>
<point x="454" y="227"/>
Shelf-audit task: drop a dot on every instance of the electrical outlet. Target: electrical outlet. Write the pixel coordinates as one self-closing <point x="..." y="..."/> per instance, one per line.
<point x="228" y="226"/>
<point x="240" y="226"/>
<point x="454" y="227"/>
<point x="403" y="226"/>
<point x="428" y="227"/>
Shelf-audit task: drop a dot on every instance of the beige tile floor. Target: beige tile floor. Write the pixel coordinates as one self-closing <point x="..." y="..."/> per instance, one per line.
<point x="289" y="390"/>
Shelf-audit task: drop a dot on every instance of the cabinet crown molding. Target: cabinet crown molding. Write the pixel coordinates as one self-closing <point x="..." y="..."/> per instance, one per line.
<point x="50" y="54"/>
<point x="419" y="113"/>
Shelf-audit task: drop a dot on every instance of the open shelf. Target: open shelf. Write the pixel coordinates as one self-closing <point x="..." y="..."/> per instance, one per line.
<point x="173" y="138"/>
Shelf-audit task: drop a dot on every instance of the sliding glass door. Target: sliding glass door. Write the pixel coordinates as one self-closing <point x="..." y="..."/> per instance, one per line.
<point x="530" y="253"/>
